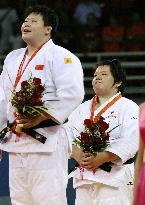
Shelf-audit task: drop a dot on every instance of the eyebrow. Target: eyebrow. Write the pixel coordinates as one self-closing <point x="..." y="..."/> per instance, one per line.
<point x="104" y="71"/>
<point x="30" y="18"/>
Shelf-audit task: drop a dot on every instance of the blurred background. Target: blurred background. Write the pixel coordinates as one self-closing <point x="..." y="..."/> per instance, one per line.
<point x="92" y="29"/>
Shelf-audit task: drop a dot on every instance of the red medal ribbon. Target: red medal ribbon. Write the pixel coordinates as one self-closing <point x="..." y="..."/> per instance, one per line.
<point x="21" y="69"/>
<point x="94" y="103"/>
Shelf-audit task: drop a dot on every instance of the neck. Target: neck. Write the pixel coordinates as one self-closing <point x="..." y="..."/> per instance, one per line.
<point x="103" y="99"/>
<point x="30" y="50"/>
<point x="33" y="47"/>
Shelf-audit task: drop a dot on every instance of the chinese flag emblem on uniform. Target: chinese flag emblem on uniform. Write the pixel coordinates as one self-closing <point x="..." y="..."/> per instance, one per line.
<point x="39" y="67"/>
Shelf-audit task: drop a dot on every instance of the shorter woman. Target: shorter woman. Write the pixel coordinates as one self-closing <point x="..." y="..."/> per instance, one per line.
<point x="106" y="186"/>
<point x="139" y="190"/>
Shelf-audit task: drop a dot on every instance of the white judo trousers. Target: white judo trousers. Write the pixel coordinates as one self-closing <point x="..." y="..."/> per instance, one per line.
<point x="42" y="176"/>
<point x="100" y="194"/>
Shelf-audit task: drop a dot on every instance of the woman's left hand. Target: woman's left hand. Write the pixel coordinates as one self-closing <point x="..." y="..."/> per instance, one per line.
<point x="28" y="122"/>
<point x="90" y="161"/>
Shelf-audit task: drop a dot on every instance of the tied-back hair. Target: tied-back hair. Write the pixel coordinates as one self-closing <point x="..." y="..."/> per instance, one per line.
<point x="117" y="71"/>
<point x="50" y="17"/>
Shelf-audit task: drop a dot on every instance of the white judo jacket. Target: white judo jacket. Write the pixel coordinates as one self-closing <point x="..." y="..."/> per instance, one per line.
<point x="124" y="140"/>
<point x="62" y="74"/>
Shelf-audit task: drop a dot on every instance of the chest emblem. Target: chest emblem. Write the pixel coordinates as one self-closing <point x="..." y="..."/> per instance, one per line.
<point x="39" y="67"/>
<point x="67" y="60"/>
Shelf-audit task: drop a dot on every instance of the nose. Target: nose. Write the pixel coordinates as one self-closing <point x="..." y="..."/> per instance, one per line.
<point x="98" y="77"/>
<point x="27" y="24"/>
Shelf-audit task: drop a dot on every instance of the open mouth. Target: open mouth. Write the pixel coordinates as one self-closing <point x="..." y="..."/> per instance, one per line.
<point x="26" y="30"/>
<point x="98" y="82"/>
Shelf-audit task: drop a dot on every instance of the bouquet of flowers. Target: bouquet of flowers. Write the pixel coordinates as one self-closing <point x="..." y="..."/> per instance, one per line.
<point x="94" y="138"/>
<point x="27" y="103"/>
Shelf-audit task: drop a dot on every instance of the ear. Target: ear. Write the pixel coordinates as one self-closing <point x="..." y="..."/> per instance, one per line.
<point x="48" y="30"/>
<point x="117" y="84"/>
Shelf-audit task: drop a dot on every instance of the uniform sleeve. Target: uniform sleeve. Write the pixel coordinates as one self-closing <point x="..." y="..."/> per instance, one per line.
<point x="3" y="97"/>
<point x="68" y="79"/>
<point x="75" y="123"/>
<point x="3" y="114"/>
<point x="4" y="73"/>
<point x="71" y="128"/>
<point x="127" y="144"/>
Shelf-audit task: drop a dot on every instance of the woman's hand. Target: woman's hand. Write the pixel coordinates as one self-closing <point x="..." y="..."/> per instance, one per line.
<point x="90" y="161"/>
<point x="28" y="122"/>
<point x="76" y="154"/>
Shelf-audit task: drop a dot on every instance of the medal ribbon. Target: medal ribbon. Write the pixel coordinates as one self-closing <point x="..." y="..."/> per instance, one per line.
<point x="21" y="69"/>
<point x="94" y="103"/>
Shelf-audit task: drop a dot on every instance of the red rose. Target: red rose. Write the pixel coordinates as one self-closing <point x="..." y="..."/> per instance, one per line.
<point x="88" y="123"/>
<point x="19" y="94"/>
<point x="100" y="121"/>
<point x="37" y="81"/>
<point x="39" y="89"/>
<point x="24" y="84"/>
<point x="35" y="101"/>
<point x="104" y="126"/>
<point x="21" y="102"/>
<point x="85" y="138"/>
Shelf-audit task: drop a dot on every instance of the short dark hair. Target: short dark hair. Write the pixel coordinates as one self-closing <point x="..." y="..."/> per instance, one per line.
<point x="117" y="71"/>
<point x="50" y="17"/>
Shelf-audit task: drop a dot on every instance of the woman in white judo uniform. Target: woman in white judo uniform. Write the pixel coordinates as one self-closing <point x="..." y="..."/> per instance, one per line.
<point x="37" y="171"/>
<point x="112" y="184"/>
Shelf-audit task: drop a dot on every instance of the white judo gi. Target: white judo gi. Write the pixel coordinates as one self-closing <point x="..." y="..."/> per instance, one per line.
<point x="38" y="172"/>
<point x="114" y="187"/>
